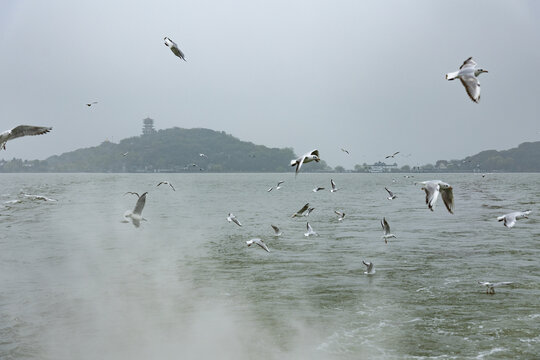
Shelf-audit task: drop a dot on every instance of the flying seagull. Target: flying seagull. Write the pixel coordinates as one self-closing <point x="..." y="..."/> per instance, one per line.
<point x="310" y="230"/>
<point x="232" y="218"/>
<point x="392" y="156"/>
<point x="386" y="231"/>
<point x="125" y="154"/>
<point x="258" y="242"/>
<point x="340" y="215"/>
<point x="166" y="183"/>
<point x="203" y="155"/>
<point x="307" y="157"/>
<point x="433" y="188"/>
<point x="20" y="131"/>
<point x="271" y="188"/>
<point x="132" y="193"/>
<point x="277" y="232"/>
<point x="318" y="188"/>
<point x="468" y="74"/>
<point x="309" y="210"/>
<point x="345" y="151"/>
<point x="510" y="219"/>
<point x="301" y="211"/>
<point x="174" y="48"/>
<point x="333" y="184"/>
<point x="392" y="196"/>
<point x="279" y="183"/>
<point x="490" y="287"/>
<point x="136" y="214"/>
<point x="92" y="103"/>
<point x="370" y="268"/>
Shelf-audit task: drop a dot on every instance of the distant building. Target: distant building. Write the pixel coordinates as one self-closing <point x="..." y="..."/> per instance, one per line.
<point x="148" y="126"/>
<point x="380" y="167"/>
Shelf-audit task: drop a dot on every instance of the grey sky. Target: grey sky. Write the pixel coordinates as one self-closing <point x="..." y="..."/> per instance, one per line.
<point x="367" y="76"/>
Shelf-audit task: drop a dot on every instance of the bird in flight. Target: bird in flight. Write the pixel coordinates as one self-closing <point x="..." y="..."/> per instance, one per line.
<point x="435" y="187"/>
<point x="510" y="219"/>
<point x="392" y="196"/>
<point x="136" y="214"/>
<point x="468" y="74"/>
<point x="166" y="183"/>
<point x="301" y="211"/>
<point x="370" y="268"/>
<point x="258" y="242"/>
<point x="345" y="151"/>
<point x="232" y="218"/>
<point x="310" y="231"/>
<point x="318" y="188"/>
<point x="392" y="156"/>
<point x="20" y="131"/>
<point x="340" y="215"/>
<point x="174" y="48"/>
<point x="277" y="232"/>
<point x="307" y="157"/>
<point x="91" y="103"/>
<point x="386" y="231"/>
<point x="333" y="184"/>
<point x="490" y="287"/>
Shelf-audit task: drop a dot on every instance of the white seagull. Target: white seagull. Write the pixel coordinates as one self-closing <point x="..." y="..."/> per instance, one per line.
<point x="307" y="157"/>
<point x="433" y="188"/>
<point x="166" y="183"/>
<point x="279" y="183"/>
<point x="20" y="131"/>
<point x="391" y="156"/>
<point x="333" y="184"/>
<point x="318" y="188"/>
<point x="491" y="286"/>
<point x="392" y="196"/>
<point x="203" y="155"/>
<point x="258" y="242"/>
<point x="232" y="218"/>
<point x="386" y="231"/>
<point x="136" y="214"/>
<point x="468" y="74"/>
<point x="370" y="268"/>
<point x="510" y="219"/>
<point x="174" y="48"/>
<point x="340" y="215"/>
<point x="310" y="231"/>
<point x="301" y="211"/>
<point x="277" y="232"/>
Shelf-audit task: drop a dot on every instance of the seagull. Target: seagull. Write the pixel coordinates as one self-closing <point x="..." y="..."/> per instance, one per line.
<point x="433" y="188"/>
<point x="136" y="214"/>
<point x="301" y="211"/>
<point x="510" y="219"/>
<point x="203" y="155"/>
<point x="386" y="231"/>
<point x="392" y="156"/>
<point x="258" y="242"/>
<point x="20" y="131"/>
<point x="271" y="188"/>
<point x="279" y="183"/>
<point x="277" y="232"/>
<point x="174" y="48"/>
<point x="132" y="193"/>
<point x="392" y="196"/>
<point x="310" y="231"/>
<point x="468" y="74"/>
<point x="307" y="157"/>
<point x="309" y="210"/>
<point x="491" y="286"/>
<point x="345" y="151"/>
<point x="318" y="188"/>
<point x="125" y="154"/>
<point x="166" y="183"/>
<point x="340" y="214"/>
<point x="92" y="103"/>
<point x="232" y="218"/>
<point x="370" y="268"/>
<point x="334" y="188"/>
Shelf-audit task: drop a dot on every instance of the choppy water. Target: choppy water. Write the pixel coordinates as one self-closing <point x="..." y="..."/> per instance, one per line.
<point x="76" y="283"/>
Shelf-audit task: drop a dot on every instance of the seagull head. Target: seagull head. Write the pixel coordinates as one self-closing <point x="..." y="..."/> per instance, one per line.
<point x="479" y="71"/>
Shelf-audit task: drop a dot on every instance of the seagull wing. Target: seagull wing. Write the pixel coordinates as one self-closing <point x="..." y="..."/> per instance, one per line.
<point x="510" y="220"/>
<point x="27" y="130"/>
<point x="468" y="63"/>
<point x="502" y="283"/>
<point x="133" y="193"/>
<point x="280" y="182"/>
<point x="447" y="196"/>
<point x="276" y="229"/>
<point x="235" y="220"/>
<point x="472" y="86"/>
<point x="140" y="204"/>
<point x="262" y="244"/>
<point x="171" y="185"/>
<point x="303" y="209"/>
<point x="389" y="192"/>
<point x="385" y="226"/>
<point x="333" y="184"/>
<point x="299" y="164"/>
<point x="432" y="194"/>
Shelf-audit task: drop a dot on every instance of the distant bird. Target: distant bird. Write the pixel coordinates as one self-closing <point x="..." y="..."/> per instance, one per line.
<point x="92" y="103"/>
<point x="174" y="48"/>
<point x="433" y="188"/>
<point x="232" y="218"/>
<point x="309" y="210"/>
<point x="166" y="183"/>
<point x="491" y="286"/>
<point x="278" y="185"/>
<point x="386" y="231"/>
<point x="392" y="156"/>
<point x="307" y="157"/>
<point x="510" y="219"/>
<point x="333" y="184"/>
<point x="277" y="232"/>
<point x="20" y="131"/>
<point x="258" y="242"/>
<point x="340" y="215"/>
<point x="301" y="211"/>
<point x="318" y="189"/>
<point x="125" y="154"/>
<point x="392" y="196"/>
<point x="345" y="151"/>
<point x="271" y="188"/>
<point x="468" y="74"/>
<point x="310" y="231"/>
<point x="136" y="214"/>
<point x="370" y="268"/>
<point x="203" y="155"/>
<point x="132" y="193"/>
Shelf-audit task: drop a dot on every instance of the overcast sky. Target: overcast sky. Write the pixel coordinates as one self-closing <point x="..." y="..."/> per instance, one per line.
<point x="367" y="76"/>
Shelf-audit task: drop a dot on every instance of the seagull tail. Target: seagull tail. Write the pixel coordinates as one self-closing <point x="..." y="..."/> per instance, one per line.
<point x="452" y="75"/>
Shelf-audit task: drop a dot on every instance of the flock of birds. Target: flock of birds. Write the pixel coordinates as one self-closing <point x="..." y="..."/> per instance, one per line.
<point x="467" y="74"/>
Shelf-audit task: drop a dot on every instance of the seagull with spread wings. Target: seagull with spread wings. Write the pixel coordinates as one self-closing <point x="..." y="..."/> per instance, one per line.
<point x="301" y="211"/>
<point x="307" y="157"/>
<point x="232" y="218"/>
<point x="392" y="196"/>
<point x="490" y="287"/>
<point x="510" y="218"/>
<point x="136" y="215"/>
<point x="370" y="268"/>
<point x="468" y="74"/>
<point x="174" y="48"/>
<point x="166" y="183"/>
<point x="259" y="242"/>
<point x="20" y="131"/>
<point x="435" y="187"/>
<point x="386" y="231"/>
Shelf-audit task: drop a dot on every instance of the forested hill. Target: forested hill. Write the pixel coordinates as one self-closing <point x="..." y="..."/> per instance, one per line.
<point x="174" y="150"/>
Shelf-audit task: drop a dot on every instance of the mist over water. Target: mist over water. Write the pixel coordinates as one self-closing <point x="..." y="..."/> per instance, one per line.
<point x="77" y="283"/>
